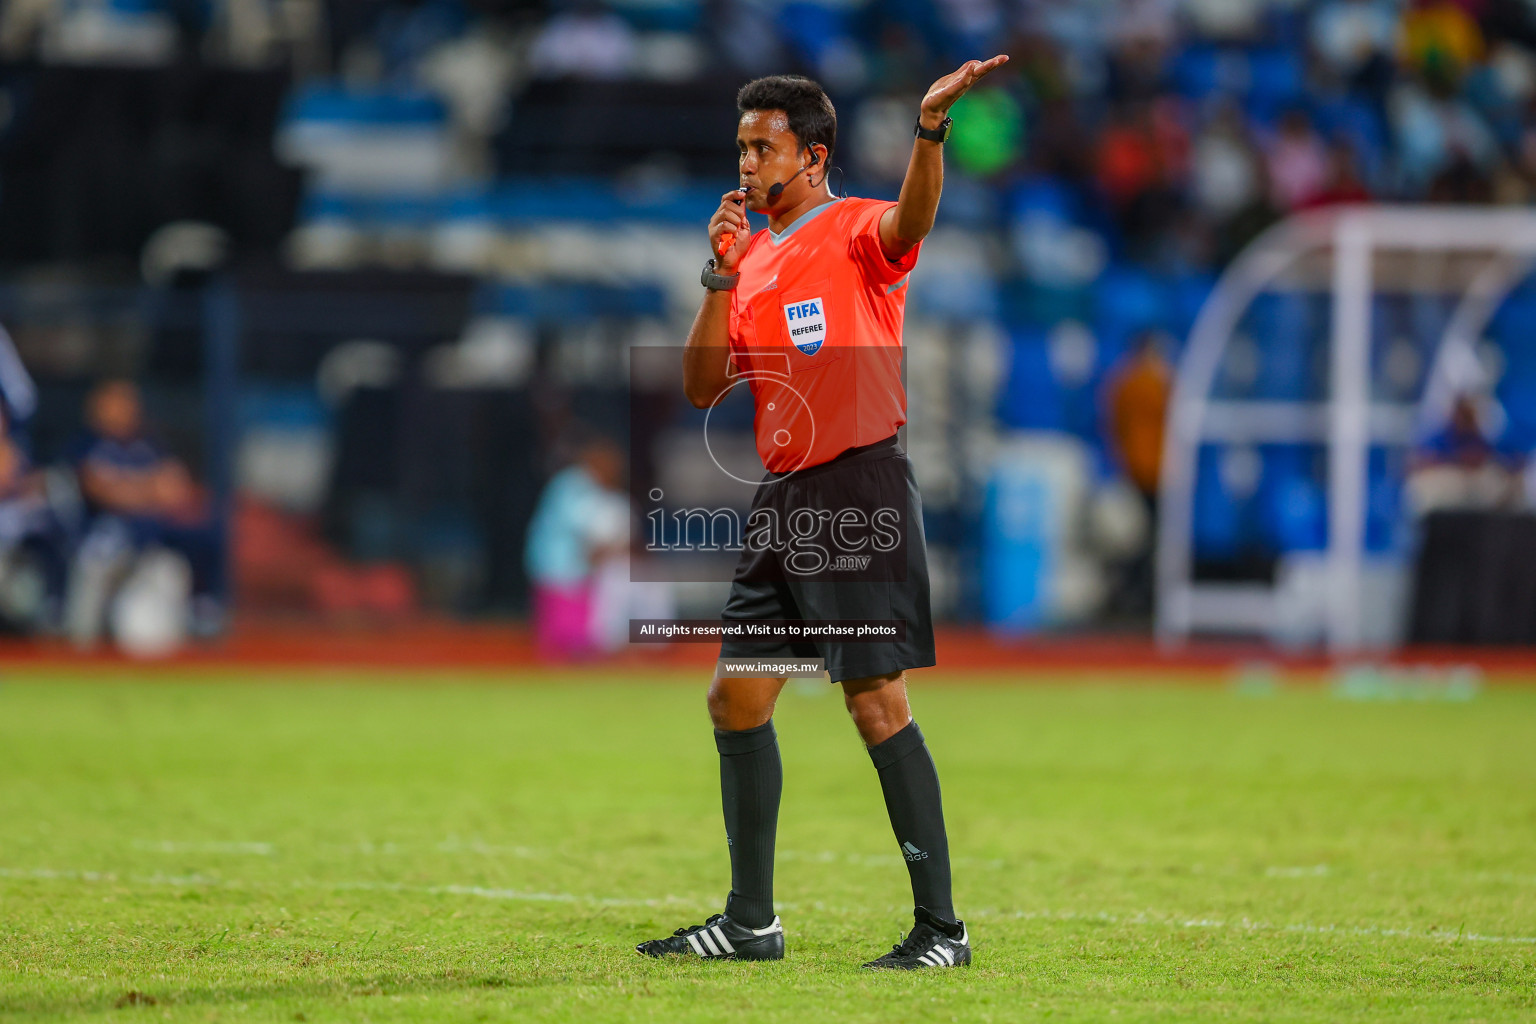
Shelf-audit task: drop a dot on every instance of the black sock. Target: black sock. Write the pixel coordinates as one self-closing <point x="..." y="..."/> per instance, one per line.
<point x="751" y="779"/>
<point x="911" y="786"/>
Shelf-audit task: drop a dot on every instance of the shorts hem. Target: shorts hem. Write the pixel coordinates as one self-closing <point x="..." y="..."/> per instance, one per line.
<point x="843" y="673"/>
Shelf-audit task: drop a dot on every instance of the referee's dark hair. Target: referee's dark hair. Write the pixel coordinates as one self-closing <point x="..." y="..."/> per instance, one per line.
<point x="805" y="104"/>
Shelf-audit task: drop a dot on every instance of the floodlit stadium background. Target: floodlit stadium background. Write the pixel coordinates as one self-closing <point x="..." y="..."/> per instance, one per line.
<point x="376" y="267"/>
<point x="1222" y="388"/>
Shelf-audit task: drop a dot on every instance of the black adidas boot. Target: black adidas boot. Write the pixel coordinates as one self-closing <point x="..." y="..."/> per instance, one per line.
<point x="720" y="938"/>
<point x="933" y="942"/>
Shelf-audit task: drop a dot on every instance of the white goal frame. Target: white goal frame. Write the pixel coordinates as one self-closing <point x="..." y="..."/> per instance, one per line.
<point x="1502" y="239"/>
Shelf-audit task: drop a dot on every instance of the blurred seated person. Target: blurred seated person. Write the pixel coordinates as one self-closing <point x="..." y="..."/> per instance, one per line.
<point x="33" y="544"/>
<point x="1135" y="406"/>
<point x="18" y="394"/>
<point x="16" y="476"/>
<point x="137" y="496"/>
<point x="1463" y="465"/>
<point x="580" y="527"/>
<point x="1136" y="394"/>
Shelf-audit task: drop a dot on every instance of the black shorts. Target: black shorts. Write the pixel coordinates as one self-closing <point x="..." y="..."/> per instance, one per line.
<point x="867" y="562"/>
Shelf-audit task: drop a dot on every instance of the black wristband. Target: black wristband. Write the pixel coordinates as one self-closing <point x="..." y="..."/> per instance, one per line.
<point x="939" y="134"/>
<point x="717" y="282"/>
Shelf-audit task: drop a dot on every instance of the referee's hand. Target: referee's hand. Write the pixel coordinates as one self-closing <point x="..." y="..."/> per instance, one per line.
<point x="732" y="216"/>
<point x="943" y="93"/>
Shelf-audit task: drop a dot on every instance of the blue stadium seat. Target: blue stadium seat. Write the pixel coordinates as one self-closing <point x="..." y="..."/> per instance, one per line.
<point x="1282" y="326"/>
<point x="1023" y="303"/>
<point x="362" y="210"/>
<point x="469" y="205"/>
<point x="333" y="103"/>
<point x="1512" y="328"/>
<point x="322" y="204"/>
<point x="1043" y="195"/>
<point x="1503" y="114"/>
<point x="810" y="28"/>
<point x="1187" y="295"/>
<point x="1357" y="121"/>
<point x="407" y="211"/>
<point x="567" y="302"/>
<point x="1201" y="72"/>
<point x="1386" y="529"/>
<point x="1128" y="300"/>
<point x="292" y="406"/>
<point x="521" y="200"/>
<point x="1286" y="25"/>
<point x="1293" y="506"/>
<point x="406" y="33"/>
<point x="376" y="141"/>
<point x="649" y="16"/>
<point x="1218" y="532"/>
<point x="1030" y="398"/>
<point x="1276" y="82"/>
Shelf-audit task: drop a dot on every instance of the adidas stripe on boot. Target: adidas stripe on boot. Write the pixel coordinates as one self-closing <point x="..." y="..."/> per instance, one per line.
<point x="720" y="938"/>
<point x="933" y="942"/>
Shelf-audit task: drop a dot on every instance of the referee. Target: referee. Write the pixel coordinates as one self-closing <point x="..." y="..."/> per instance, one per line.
<point x="809" y="313"/>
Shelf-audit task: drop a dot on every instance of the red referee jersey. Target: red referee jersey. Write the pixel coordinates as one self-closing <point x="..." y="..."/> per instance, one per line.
<point x="816" y="331"/>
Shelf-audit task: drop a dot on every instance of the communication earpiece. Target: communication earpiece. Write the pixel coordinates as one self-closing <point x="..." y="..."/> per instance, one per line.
<point x="777" y="190"/>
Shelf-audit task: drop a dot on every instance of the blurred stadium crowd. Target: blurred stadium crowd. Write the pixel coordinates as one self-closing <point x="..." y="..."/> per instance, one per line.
<point x="1171" y="130"/>
<point x="528" y="183"/>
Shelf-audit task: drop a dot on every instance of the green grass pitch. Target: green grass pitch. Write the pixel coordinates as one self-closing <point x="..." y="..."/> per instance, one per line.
<point x="346" y="847"/>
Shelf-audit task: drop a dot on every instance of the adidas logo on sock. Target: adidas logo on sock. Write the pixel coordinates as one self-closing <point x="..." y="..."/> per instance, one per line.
<point x="911" y="852"/>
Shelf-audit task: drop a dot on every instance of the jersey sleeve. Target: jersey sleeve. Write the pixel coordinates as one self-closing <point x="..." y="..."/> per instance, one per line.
<point x="864" y="243"/>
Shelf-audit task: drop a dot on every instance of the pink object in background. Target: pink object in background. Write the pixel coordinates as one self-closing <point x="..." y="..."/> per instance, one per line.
<point x="562" y="621"/>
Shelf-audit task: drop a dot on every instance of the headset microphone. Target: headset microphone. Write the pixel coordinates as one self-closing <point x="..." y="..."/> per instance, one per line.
<point x="775" y="191"/>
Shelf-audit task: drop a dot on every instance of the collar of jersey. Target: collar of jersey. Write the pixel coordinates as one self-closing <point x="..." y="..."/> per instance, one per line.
<point x="776" y="238"/>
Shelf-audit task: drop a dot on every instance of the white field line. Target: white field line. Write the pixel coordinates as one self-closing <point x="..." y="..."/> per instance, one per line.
<point x="485" y="892"/>
<point x="870" y="860"/>
<point x="1249" y="925"/>
<point x="1503" y="878"/>
<point x="456" y="846"/>
<point x="211" y="881"/>
<point x="168" y="846"/>
<point x="364" y="847"/>
<point x="1315" y="871"/>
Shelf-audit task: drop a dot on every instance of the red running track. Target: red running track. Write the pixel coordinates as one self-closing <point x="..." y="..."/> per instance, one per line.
<point x="454" y="645"/>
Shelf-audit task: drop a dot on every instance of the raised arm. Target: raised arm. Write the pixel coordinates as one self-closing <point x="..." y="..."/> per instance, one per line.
<point x="910" y="220"/>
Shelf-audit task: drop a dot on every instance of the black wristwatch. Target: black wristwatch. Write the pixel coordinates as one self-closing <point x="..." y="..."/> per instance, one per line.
<point x="717" y="282"/>
<point x="939" y="134"/>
